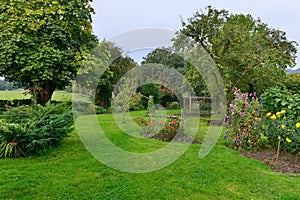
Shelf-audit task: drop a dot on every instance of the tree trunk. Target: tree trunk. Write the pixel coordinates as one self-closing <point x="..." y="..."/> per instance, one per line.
<point x="46" y="92"/>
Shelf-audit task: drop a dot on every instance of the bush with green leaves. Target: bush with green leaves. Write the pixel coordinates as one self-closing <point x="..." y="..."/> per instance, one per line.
<point x="276" y="99"/>
<point x="174" y="105"/>
<point x="25" y="131"/>
<point x="283" y="133"/>
<point x="165" y="129"/>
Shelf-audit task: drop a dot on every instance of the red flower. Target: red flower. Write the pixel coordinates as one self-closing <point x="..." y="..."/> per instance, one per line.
<point x="13" y="143"/>
<point x="171" y="127"/>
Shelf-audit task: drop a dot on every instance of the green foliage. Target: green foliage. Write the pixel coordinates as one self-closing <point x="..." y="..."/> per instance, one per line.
<point x="250" y="127"/>
<point x="102" y="70"/>
<point x="151" y="105"/>
<point x="249" y="54"/>
<point x="166" y="57"/>
<point x="164" y="128"/>
<point x="243" y="122"/>
<point x="279" y="127"/>
<point x="14" y="103"/>
<point x="275" y="99"/>
<point x="70" y="172"/>
<point x="153" y="90"/>
<point x="25" y="131"/>
<point x="125" y="95"/>
<point x="116" y="70"/>
<point x="43" y="43"/>
<point x="292" y="83"/>
<point x="173" y="105"/>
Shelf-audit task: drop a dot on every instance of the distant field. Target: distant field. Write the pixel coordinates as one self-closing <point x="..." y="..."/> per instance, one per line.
<point x="19" y="94"/>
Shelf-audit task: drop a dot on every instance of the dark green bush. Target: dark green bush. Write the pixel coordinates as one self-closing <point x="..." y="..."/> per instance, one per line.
<point x="15" y="102"/>
<point x="25" y="131"/>
<point x="173" y="105"/>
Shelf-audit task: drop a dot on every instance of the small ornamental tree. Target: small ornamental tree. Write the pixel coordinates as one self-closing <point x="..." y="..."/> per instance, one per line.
<point x="150" y="106"/>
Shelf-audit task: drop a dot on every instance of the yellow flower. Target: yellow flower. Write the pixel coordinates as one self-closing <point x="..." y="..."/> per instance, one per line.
<point x="283" y="126"/>
<point x="278" y="114"/>
<point x="268" y="114"/>
<point x="288" y="140"/>
<point x="298" y="125"/>
<point x="279" y="137"/>
<point x="283" y="112"/>
<point x="273" y="117"/>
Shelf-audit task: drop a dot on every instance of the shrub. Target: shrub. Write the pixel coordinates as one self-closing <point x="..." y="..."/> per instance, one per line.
<point x="15" y="102"/>
<point x="250" y="127"/>
<point x="173" y="105"/>
<point x="25" y="131"/>
<point x="164" y="129"/>
<point x="279" y="128"/>
<point x="243" y="121"/>
<point x="276" y="99"/>
<point x="100" y="110"/>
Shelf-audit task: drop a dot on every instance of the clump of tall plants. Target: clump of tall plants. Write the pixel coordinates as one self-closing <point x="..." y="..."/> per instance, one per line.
<point x="26" y="130"/>
<point x="243" y="120"/>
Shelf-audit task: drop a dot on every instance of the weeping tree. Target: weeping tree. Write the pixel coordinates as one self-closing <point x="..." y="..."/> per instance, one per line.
<point x="43" y="42"/>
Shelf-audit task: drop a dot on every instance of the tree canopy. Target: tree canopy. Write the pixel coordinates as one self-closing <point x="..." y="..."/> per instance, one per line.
<point x="42" y="42"/>
<point x="249" y="54"/>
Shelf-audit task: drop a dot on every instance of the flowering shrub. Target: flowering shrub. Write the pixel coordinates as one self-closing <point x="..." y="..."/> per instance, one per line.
<point x="243" y="121"/>
<point x="282" y="131"/>
<point x="171" y="128"/>
<point x="276" y="99"/>
<point x="250" y="127"/>
<point x="164" y="130"/>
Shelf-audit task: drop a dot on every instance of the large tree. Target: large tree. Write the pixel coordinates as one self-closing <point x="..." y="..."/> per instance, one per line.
<point x="169" y="58"/>
<point x="248" y="53"/>
<point x="42" y="42"/>
<point x="118" y="67"/>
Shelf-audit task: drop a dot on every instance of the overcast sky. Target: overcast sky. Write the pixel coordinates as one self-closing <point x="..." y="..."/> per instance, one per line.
<point x="114" y="17"/>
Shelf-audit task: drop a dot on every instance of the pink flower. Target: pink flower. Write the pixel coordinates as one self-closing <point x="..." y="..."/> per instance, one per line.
<point x="244" y="132"/>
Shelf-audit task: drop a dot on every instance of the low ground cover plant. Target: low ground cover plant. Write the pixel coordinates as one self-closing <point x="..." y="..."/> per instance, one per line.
<point x="25" y="131"/>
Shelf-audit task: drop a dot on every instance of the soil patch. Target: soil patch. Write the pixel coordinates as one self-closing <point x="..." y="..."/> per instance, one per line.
<point x="286" y="163"/>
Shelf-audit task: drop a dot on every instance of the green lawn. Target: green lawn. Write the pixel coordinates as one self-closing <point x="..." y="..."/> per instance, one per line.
<point x="70" y="172"/>
<point x="14" y="94"/>
<point x="19" y="94"/>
